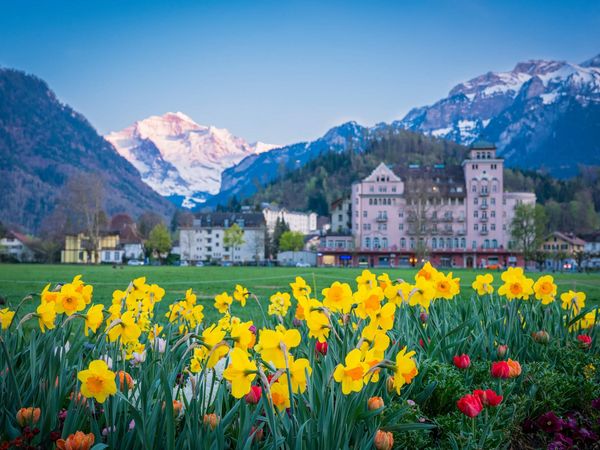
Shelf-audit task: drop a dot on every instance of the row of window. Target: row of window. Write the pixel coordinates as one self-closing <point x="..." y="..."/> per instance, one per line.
<point x="436" y="243"/>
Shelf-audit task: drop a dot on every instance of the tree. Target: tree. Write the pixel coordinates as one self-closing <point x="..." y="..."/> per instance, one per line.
<point x="82" y="202"/>
<point x="181" y="218"/>
<point x="233" y="237"/>
<point x="528" y="229"/>
<point x="159" y="240"/>
<point x="147" y="221"/>
<point x="280" y="228"/>
<point x="291" y="241"/>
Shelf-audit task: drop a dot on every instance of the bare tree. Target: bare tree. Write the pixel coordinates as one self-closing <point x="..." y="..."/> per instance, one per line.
<point x="423" y="205"/>
<point x="82" y="200"/>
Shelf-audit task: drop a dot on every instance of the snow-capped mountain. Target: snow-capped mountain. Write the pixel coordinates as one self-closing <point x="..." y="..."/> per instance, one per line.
<point x="540" y="114"/>
<point x="179" y="158"/>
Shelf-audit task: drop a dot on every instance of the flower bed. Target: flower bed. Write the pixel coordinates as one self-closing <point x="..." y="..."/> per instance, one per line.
<point x="382" y="364"/>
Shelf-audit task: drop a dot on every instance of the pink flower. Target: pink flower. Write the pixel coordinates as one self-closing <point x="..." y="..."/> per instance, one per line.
<point x="462" y="362"/>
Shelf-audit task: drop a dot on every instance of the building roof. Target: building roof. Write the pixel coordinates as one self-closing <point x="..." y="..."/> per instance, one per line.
<point x="448" y="181"/>
<point x="482" y="145"/>
<point x="226" y="219"/>
<point x="591" y="237"/>
<point x="567" y="237"/>
<point x="19" y="236"/>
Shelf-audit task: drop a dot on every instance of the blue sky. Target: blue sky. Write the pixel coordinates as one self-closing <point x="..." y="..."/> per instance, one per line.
<point x="279" y="71"/>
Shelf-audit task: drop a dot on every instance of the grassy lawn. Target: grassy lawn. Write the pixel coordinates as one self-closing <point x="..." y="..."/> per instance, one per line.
<point x="18" y="280"/>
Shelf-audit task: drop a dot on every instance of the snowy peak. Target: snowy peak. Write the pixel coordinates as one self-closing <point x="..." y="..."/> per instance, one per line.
<point x="179" y="158"/>
<point x="520" y="110"/>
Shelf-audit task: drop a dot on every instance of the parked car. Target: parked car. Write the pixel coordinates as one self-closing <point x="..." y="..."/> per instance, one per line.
<point x="302" y="264"/>
<point x="135" y="262"/>
<point x="184" y="264"/>
<point x="226" y="264"/>
<point x="199" y="264"/>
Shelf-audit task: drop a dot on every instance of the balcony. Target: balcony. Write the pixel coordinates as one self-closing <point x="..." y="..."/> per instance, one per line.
<point x="483" y="232"/>
<point x="483" y="219"/>
<point x="447" y="219"/>
<point x="460" y="219"/>
<point x="381" y="219"/>
<point x="484" y="193"/>
<point x="483" y="206"/>
<point x="461" y="232"/>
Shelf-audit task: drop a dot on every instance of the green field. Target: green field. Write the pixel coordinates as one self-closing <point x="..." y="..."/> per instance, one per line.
<point x="19" y="280"/>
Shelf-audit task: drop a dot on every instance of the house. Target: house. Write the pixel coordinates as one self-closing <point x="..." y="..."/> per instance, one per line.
<point x="454" y="216"/>
<point x="16" y="247"/>
<point x="563" y="251"/>
<point x="130" y="241"/>
<point x="297" y="221"/>
<point x="341" y="215"/>
<point x="205" y="239"/>
<point x="591" y="250"/>
<point x="300" y="258"/>
<point x="79" y="249"/>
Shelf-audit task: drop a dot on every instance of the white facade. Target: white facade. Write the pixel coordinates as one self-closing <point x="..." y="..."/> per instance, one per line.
<point x="301" y="222"/>
<point x="13" y="247"/>
<point x="204" y="241"/>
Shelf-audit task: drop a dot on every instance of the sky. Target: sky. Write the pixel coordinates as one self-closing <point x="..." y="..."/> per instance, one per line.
<point x="280" y="71"/>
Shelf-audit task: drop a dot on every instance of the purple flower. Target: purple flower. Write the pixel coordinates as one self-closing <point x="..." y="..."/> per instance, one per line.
<point x="570" y="422"/>
<point x="550" y="422"/>
<point x="596" y="403"/>
<point x="586" y="435"/>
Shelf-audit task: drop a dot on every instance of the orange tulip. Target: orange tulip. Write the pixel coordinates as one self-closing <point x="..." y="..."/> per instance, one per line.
<point x="384" y="440"/>
<point x="515" y="368"/>
<point x="28" y="416"/>
<point x="212" y="420"/>
<point x="124" y="377"/>
<point x="77" y="441"/>
<point x="375" y="403"/>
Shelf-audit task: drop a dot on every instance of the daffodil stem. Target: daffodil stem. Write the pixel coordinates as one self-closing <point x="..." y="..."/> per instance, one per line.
<point x="12" y="372"/>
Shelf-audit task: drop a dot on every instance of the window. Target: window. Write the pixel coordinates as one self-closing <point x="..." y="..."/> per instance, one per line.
<point x="486" y="243"/>
<point x="117" y="256"/>
<point x="384" y="242"/>
<point x="474" y="245"/>
<point x="412" y="243"/>
<point x="403" y="243"/>
<point x="441" y="242"/>
<point x="449" y="243"/>
<point x="463" y="243"/>
<point x="376" y="243"/>
<point x="455" y="242"/>
<point x="493" y="201"/>
<point x="476" y="227"/>
<point x="434" y="243"/>
<point x="475" y="213"/>
<point x="493" y="227"/>
<point x="494" y="243"/>
<point x="107" y="256"/>
<point x="365" y="213"/>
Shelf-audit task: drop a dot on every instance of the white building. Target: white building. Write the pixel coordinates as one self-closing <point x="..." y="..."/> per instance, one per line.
<point x="304" y="223"/>
<point x="15" y="246"/>
<point x="204" y="240"/>
<point x="341" y="215"/>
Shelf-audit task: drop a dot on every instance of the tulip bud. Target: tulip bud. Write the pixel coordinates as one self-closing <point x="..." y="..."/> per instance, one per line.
<point x="501" y="351"/>
<point x="212" y="420"/>
<point x="384" y="440"/>
<point x="389" y="384"/>
<point x="253" y="397"/>
<point x="28" y="416"/>
<point x="177" y="407"/>
<point x="585" y="341"/>
<point x="258" y="433"/>
<point x="321" y="347"/>
<point x="124" y="378"/>
<point x="462" y="362"/>
<point x="541" y="337"/>
<point x="375" y="403"/>
<point x="424" y="316"/>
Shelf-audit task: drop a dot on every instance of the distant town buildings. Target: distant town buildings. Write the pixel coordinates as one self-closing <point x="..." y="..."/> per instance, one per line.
<point x="301" y="222"/>
<point x="562" y="251"/>
<point x="456" y="216"/>
<point x="204" y="240"/>
<point x="80" y="249"/>
<point x="16" y="247"/>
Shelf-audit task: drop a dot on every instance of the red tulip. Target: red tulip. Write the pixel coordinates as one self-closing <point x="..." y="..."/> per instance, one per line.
<point x="253" y="397"/>
<point x="321" y="347"/>
<point x="488" y="397"/>
<point x="584" y="341"/>
<point x="500" y="369"/>
<point x="470" y="405"/>
<point x="462" y="362"/>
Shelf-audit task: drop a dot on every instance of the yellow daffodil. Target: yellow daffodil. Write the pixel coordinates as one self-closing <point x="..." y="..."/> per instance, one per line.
<point x="366" y="279"/>
<point x="127" y="330"/>
<point x="241" y="294"/>
<point x="299" y="368"/>
<point x="483" y="284"/>
<point x="48" y="295"/>
<point x="428" y="272"/>
<point x="242" y="336"/>
<point x="97" y="381"/>
<point x="398" y="293"/>
<point x="222" y="302"/>
<point x="545" y="289"/>
<point x="384" y="318"/>
<point x="6" y="318"/>
<point x="212" y="349"/>
<point x="272" y="342"/>
<point x="280" y="303"/>
<point x="240" y="372"/>
<point x="93" y="318"/>
<point x="444" y="285"/>
<point x="384" y="281"/>
<point x="575" y="300"/>
<point x="405" y="369"/>
<point x="46" y="316"/>
<point x="300" y="288"/>
<point x="516" y="284"/>
<point x="368" y="301"/>
<point x="280" y="393"/>
<point x="351" y="373"/>
<point x="338" y="297"/>
<point x="318" y="325"/>
<point x="69" y="301"/>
